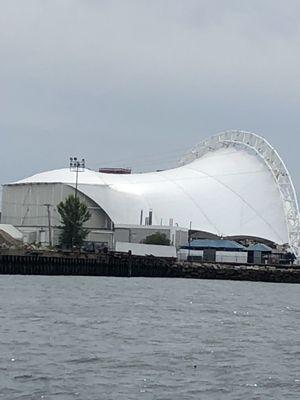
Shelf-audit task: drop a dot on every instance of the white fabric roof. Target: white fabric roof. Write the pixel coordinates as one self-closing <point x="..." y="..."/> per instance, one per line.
<point x="227" y="191"/>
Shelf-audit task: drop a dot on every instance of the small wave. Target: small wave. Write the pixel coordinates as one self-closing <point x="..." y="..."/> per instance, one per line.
<point x="41" y="378"/>
<point x="85" y="360"/>
<point x="25" y="376"/>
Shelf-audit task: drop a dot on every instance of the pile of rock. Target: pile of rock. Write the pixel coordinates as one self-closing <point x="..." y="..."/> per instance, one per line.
<point x="7" y="241"/>
<point x="289" y="274"/>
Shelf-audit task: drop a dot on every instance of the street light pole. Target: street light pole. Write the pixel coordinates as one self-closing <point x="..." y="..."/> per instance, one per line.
<point x="76" y="166"/>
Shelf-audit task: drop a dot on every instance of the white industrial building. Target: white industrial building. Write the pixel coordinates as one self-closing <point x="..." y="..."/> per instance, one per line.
<point x="232" y="184"/>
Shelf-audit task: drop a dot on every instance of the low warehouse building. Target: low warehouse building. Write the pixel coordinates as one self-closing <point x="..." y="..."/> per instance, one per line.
<point x="139" y="249"/>
<point x="138" y="233"/>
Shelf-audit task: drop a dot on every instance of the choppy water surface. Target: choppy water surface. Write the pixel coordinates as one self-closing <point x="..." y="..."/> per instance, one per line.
<point x="118" y="338"/>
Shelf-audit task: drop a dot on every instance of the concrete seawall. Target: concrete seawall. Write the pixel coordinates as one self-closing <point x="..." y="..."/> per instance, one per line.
<point x="136" y="266"/>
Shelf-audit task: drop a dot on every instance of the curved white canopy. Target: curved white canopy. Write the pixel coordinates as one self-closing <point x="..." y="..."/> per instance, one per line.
<point x="228" y="185"/>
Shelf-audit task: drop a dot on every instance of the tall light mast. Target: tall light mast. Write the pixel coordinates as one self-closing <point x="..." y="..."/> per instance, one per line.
<point x="76" y="166"/>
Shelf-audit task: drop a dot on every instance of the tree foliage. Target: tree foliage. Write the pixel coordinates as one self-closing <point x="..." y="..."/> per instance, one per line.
<point x="74" y="214"/>
<point x="157" y="238"/>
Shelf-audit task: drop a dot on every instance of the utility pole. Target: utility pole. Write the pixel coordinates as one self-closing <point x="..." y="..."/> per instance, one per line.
<point x="49" y="223"/>
<point x="76" y="166"/>
<point x="189" y="237"/>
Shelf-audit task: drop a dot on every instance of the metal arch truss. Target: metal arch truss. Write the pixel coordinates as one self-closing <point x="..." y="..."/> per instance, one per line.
<point x="260" y="147"/>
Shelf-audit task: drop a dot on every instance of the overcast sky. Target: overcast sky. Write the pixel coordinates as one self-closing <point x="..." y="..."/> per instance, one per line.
<point x="137" y="83"/>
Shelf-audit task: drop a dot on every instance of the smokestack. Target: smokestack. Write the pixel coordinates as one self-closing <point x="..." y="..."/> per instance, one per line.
<point x="150" y="217"/>
<point x="141" y="217"/>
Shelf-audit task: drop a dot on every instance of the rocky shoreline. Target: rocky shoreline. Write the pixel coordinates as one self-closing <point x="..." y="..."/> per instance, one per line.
<point x="260" y="273"/>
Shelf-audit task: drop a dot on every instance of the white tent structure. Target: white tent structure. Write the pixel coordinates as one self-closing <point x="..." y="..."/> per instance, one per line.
<point x="234" y="183"/>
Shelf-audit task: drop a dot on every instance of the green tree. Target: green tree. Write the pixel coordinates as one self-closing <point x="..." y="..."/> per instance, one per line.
<point x="157" y="238"/>
<point x="73" y="215"/>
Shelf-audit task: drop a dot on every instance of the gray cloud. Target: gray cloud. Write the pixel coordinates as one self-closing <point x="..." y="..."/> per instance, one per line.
<point x="117" y="80"/>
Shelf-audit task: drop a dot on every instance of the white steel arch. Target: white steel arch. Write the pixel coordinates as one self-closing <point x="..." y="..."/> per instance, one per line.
<point x="261" y="148"/>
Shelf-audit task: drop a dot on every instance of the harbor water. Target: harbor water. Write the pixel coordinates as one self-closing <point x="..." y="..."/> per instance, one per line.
<point x="103" y="338"/>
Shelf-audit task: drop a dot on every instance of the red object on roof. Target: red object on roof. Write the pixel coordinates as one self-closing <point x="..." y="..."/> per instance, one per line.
<point x="122" y="171"/>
